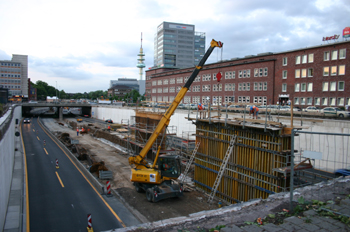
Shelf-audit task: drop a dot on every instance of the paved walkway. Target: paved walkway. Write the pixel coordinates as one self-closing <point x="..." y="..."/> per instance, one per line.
<point x="16" y="209"/>
<point x="311" y="222"/>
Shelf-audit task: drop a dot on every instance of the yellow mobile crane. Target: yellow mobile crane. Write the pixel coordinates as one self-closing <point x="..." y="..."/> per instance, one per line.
<point x="157" y="179"/>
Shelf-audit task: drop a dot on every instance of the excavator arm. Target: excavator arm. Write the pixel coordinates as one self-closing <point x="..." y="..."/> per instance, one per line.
<point x="139" y="159"/>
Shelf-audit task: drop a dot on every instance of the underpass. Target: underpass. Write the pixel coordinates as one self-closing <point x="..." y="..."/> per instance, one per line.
<point x="61" y="198"/>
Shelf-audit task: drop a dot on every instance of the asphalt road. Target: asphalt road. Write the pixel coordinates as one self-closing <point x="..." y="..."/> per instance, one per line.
<point x="61" y="198"/>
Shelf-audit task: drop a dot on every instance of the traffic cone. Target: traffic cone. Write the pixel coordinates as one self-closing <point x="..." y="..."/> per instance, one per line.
<point x="57" y="164"/>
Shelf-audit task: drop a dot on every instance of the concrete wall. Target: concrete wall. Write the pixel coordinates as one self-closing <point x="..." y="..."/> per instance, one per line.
<point x="123" y="113"/>
<point x="7" y="152"/>
<point x="331" y="151"/>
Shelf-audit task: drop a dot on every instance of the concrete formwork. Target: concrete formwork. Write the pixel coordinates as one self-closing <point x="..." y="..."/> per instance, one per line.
<point x="249" y="172"/>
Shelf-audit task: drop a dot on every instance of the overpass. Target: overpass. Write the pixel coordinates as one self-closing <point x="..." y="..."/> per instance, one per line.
<point x="40" y="108"/>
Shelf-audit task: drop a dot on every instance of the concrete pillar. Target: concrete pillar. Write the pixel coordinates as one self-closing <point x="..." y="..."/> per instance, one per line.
<point x="60" y="113"/>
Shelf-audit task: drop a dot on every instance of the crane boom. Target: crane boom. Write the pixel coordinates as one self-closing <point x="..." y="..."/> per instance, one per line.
<point x="139" y="159"/>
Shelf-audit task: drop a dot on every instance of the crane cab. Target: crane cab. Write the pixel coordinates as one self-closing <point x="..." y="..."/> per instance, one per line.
<point x="170" y="166"/>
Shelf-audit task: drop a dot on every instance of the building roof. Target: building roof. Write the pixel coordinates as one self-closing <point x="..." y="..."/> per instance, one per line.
<point x="120" y="87"/>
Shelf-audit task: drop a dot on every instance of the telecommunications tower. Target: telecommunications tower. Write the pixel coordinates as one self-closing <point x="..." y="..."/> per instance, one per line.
<point x="141" y="60"/>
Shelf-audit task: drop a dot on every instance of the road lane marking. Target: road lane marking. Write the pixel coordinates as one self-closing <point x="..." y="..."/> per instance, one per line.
<point x="37" y="138"/>
<point x="98" y="194"/>
<point x="59" y="179"/>
<point x="46" y="151"/>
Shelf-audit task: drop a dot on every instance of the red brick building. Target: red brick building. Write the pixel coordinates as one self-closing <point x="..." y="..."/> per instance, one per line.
<point x="317" y="75"/>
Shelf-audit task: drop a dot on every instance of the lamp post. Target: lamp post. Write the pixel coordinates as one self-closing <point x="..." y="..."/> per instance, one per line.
<point x="56" y="92"/>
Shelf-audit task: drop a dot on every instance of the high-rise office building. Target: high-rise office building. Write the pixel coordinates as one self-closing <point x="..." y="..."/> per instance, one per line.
<point x="177" y="45"/>
<point x="14" y="75"/>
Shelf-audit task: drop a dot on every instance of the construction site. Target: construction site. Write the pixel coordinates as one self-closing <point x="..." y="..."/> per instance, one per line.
<point x="228" y="159"/>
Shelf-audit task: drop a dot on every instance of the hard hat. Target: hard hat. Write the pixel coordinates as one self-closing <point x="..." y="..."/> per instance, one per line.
<point x="251" y="108"/>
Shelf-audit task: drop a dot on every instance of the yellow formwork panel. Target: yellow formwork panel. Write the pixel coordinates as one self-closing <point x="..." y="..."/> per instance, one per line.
<point x="249" y="172"/>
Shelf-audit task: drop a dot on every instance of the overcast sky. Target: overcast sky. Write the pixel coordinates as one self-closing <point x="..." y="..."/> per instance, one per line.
<point x="81" y="45"/>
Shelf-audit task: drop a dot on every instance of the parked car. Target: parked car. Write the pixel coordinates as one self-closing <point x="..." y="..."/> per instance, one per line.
<point x="109" y="121"/>
<point x="312" y="109"/>
<point x="335" y="112"/>
<point x="233" y="108"/>
<point x="26" y="120"/>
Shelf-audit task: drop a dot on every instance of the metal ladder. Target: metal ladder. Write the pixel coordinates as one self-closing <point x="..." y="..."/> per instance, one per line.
<point x="222" y="169"/>
<point x="188" y="165"/>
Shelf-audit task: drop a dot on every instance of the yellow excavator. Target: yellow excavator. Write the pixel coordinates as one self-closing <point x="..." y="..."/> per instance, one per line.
<point x="157" y="179"/>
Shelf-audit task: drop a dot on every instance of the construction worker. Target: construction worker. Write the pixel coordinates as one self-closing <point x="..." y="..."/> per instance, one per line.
<point x="77" y="131"/>
<point x="200" y="107"/>
<point x="82" y="131"/>
<point x="255" y="111"/>
<point x="109" y="128"/>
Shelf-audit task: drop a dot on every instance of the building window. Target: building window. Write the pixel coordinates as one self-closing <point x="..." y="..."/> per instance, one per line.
<point x="159" y="90"/>
<point x="324" y="101"/>
<point x="341" y="85"/>
<point x="333" y="70"/>
<point x="154" y="83"/>
<point x="303" y="87"/>
<point x="309" y="101"/>
<point x="326" y="56"/>
<point x="228" y="75"/>
<point x="310" y="72"/>
<point x="165" y="90"/>
<point x="248" y="73"/>
<point x="325" y="71"/>
<point x="265" y="72"/>
<point x="239" y="86"/>
<point x="172" y="80"/>
<point x="309" y="87"/>
<point x="303" y="73"/>
<point x="342" y="53"/>
<point x="179" y="80"/>
<point x="256" y="86"/>
<point x="284" y="74"/>
<point x="284" y="87"/>
<point x="341" y="69"/>
<point x="297" y="87"/>
<point x="302" y="100"/>
<point x="325" y="86"/>
<point x="297" y="73"/>
<point x="335" y="55"/>
<point x="311" y="58"/>
<point x="333" y="86"/>
<point x="332" y="101"/>
<point x="284" y="61"/>
<point x="260" y="72"/>
<point x="296" y="101"/>
<point x="240" y="74"/>
<point x="256" y="72"/>
<point x="304" y="59"/>
<point x="317" y="101"/>
<point x="265" y="86"/>
<point x="154" y="90"/>
<point x="165" y="82"/>
<point x="260" y="86"/>
<point x="297" y="60"/>
<point x="340" y="101"/>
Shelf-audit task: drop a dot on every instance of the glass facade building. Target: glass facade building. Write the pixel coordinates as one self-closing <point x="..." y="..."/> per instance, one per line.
<point x="177" y="45"/>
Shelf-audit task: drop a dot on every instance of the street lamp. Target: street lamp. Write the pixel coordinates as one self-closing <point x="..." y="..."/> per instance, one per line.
<point x="56" y="92"/>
